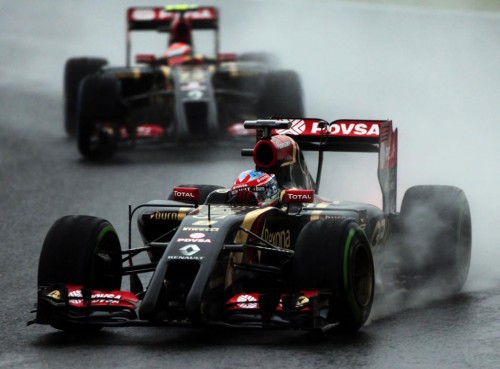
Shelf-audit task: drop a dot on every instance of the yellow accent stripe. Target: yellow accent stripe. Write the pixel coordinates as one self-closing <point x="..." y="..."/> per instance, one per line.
<point x="242" y="237"/>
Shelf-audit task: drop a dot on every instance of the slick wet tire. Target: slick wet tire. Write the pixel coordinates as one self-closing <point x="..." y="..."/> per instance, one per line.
<point x="75" y="70"/>
<point x="281" y="95"/>
<point x="80" y="250"/>
<point x="99" y="103"/>
<point x="435" y="238"/>
<point x="205" y="190"/>
<point x="334" y="256"/>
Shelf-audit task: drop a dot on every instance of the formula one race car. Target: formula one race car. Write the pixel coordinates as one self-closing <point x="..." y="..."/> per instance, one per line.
<point x="267" y="252"/>
<point x="177" y="96"/>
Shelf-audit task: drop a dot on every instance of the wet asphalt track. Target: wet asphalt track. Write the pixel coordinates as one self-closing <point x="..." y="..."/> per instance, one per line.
<point x="432" y="72"/>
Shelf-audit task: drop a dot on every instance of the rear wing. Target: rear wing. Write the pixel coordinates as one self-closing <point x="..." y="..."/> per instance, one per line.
<point x="153" y="18"/>
<point x="347" y="135"/>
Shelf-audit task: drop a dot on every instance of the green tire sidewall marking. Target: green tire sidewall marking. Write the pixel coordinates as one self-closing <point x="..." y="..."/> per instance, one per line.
<point x="100" y="236"/>
<point x="349" y="293"/>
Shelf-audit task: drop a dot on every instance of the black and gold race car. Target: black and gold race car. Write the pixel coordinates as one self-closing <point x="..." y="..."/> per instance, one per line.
<point x="178" y="95"/>
<point x="229" y="257"/>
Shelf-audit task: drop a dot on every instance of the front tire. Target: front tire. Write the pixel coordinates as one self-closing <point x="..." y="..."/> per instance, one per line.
<point x="335" y="256"/>
<point x="83" y="251"/>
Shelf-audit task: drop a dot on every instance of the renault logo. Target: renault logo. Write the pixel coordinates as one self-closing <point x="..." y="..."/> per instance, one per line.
<point x="189" y="250"/>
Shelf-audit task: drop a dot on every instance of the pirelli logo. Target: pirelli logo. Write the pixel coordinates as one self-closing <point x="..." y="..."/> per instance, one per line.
<point x="200" y="229"/>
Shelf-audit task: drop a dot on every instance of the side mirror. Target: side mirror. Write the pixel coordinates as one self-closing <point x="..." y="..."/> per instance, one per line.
<point x="299" y="196"/>
<point x="296" y="198"/>
<point x="187" y="194"/>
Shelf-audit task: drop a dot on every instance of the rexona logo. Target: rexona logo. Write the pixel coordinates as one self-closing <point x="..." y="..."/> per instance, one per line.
<point x="349" y="129"/>
<point x="279" y="238"/>
<point x="301" y="196"/>
<point x="186" y="194"/>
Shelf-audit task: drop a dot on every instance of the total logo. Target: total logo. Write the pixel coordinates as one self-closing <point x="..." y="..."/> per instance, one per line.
<point x="304" y="196"/>
<point x="184" y="194"/>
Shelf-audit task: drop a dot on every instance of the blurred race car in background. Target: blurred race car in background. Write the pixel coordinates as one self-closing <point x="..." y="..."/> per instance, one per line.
<point x="267" y="252"/>
<point x="179" y="96"/>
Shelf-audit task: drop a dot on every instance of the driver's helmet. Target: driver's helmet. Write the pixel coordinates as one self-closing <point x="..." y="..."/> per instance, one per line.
<point x="255" y="188"/>
<point x="178" y="53"/>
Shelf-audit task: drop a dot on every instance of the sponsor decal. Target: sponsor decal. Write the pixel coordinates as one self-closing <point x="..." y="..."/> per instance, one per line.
<point x="197" y="235"/>
<point x="298" y="126"/>
<point x="195" y="94"/>
<point x="348" y="129"/>
<point x="279" y="238"/>
<point x="149" y="130"/>
<point x="283" y="145"/>
<point x="143" y="14"/>
<point x="205" y="223"/>
<point x="56" y="294"/>
<point x="379" y="233"/>
<point x="247" y="302"/>
<point x="179" y="257"/>
<point x="164" y="215"/>
<point x="305" y="196"/>
<point x="189" y="250"/>
<point x="301" y="301"/>
<point x="185" y="193"/>
<point x="101" y="298"/>
<point x="201" y="240"/>
<point x="200" y="229"/>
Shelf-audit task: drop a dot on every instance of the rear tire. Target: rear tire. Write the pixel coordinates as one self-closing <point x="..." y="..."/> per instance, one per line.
<point x="435" y="238"/>
<point x="80" y="250"/>
<point x="335" y="256"/>
<point x="99" y="103"/>
<point x="75" y="70"/>
<point x="281" y="96"/>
